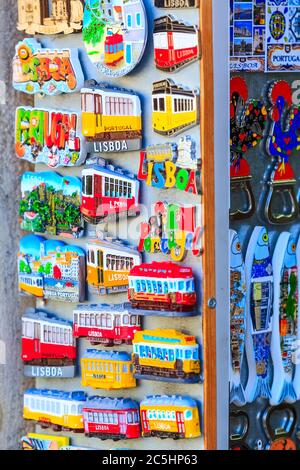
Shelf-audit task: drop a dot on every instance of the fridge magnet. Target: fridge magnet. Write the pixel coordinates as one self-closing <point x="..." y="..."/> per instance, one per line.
<point x="172" y="166"/>
<point x="46" y="71"/>
<point x="34" y="441"/>
<point x="50" y="204"/>
<point x="111" y="118"/>
<point x="108" y="191"/>
<point x="166" y="355"/>
<point x="239" y="423"/>
<point x="176" y="44"/>
<point x="279" y="424"/>
<point x="283" y="139"/>
<point x="259" y="304"/>
<point x="162" y="286"/>
<point x="247" y="123"/>
<point x="283" y="36"/>
<point x="109" y="370"/>
<point x="108" y="265"/>
<point x="59" y="410"/>
<point x="115" y="35"/>
<point x="247" y="35"/>
<point x="174" y="108"/>
<point x="48" y="346"/>
<point x="48" y="136"/>
<point x="237" y="319"/>
<point x="173" y="229"/>
<point x="172" y="4"/>
<point x="108" y="325"/>
<point x="174" y="417"/>
<point x="285" y="319"/>
<point x="50" y="17"/>
<point x="51" y="269"/>
<point x="111" y="418"/>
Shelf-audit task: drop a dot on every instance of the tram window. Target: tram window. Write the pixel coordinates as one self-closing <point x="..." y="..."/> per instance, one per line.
<point x="43" y="406"/>
<point x="117" y="264"/>
<point x="113" y="262"/>
<point x="181" y="285"/>
<point x="111" y="418"/>
<point x="161" y="104"/>
<point x="125" y="369"/>
<point x="188" y="354"/>
<point x="159" y="353"/>
<point x="138" y="286"/>
<point x="133" y="320"/>
<point x="149" y="286"/>
<point x="159" y="287"/>
<point x="148" y="351"/>
<point x="129" y="418"/>
<point x="89" y="185"/>
<point x="106" y="187"/>
<point x="136" y="417"/>
<point x="154" y="284"/>
<point x="129" y="190"/>
<point x="58" y="408"/>
<point x="87" y="320"/>
<point x="63" y="336"/>
<point x="155" y="104"/>
<point x="188" y="415"/>
<point x="98" y="320"/>
<point x="50" y="334"/>
<point x="179" y="354"/>
<point x="109" y="321"/>
<point x="166" y="289"/>
<point x="58" y="334"/>
<point x="125" y="319"/>
<point x="88" y="103"/>
<point x="195" y="354"/>
<point x="92" y="256"/>
<point x="38" y="405"/>
<point x="142" y="351"/>
<point x="100" y="417"/>
<point x="165" y="355"/>
<point x="171" y="355"/>
<point x="122" y="264"/>
<point x="53" y="407"/>
<point x="127" y="264"/>
<point x="115" y="418"/>
<point x="92" y="320"/>
<point x="159" y="415"/>
<point x="96" y="420"/>
<point x="143" y="285"/>
<point x="105" y="418"/>
<point x="153" y="352"/>
<point x="82" y="319"/>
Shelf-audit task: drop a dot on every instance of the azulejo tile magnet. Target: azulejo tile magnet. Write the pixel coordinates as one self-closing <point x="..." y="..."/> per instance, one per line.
<point x="108" y="325"/>
<point x="111" y="117"/>
<point x="157" y="412"/>
<point x="50" y="204"/>
<point x="108" y="191"/>
<point x="115" y="34"/>
<point x="48" y="136"/>
<point x="166" y="355"/>
<point x="35" y="441"/>
<point x="176" y="43"/>
<point x="50" y="16"/>
<point x="108" y="265"/>
<point x="174" y="108"/>
<point x="173" y="4"/>
<point x="173" y="229"/>
<point x="172" y="165"/>
<point x="48" y="346"/>
<point x="51" y="269"/>
<point x="47" y="71"/>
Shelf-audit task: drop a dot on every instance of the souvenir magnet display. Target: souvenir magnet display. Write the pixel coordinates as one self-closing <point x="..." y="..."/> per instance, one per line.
<point x="115" y="35"/>
<point x="105" y="324"/>
<point x="48" y="346"/>
<point x="50" y="269"/>
<point x="55" y="409"/>
<point x="109" y="370"/>
<point x="111" y="118"/>
<point x="176" y="44"/>
<point x="174" y="108"/>
<point x="48" y="136"/>
<point x="237" y="319"/>
<point x="173" y="229"/>
<point x="111" y="418"/>
<point x="175" y="417"/>
<point x="280" y="434"/>
<point x="33" y="441"/>
<point x="282" y="140"/>
<point x="163" y="286"/>
<point x="285" y="319"/>
<point x="108" y="190"/>
<point x="170" y="165"/>
<point x="259" y="304"/>
<point x="108" y="265"/>
<point x="50" y="16"/>
<point x="239" y="426"/>
<point x="247" y="123"/>
<point x="46" y="71"/>
<point x="172" y="4"/>
<point x="166" y="355"/>
<point x="50" y="204"/>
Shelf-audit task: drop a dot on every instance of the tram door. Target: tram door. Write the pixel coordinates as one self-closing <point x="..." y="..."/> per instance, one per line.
<point x="122" y="423"/>
<point x="100" y="268"/>
<point x="98" y="112"/>
<point x="37" y="337"/>
<point x="117" y="325"/>
<point x="171" y="47"/>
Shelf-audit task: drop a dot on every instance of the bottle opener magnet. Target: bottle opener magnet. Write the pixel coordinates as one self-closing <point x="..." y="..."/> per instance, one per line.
<point x="239" y="427"/>
<point x="279" y="424"/>
<point x="240" y="183"/>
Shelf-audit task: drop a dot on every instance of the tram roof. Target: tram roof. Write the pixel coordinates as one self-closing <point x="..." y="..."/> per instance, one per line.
<point x="110" y="170"/>
<point x="115" y="245"/>
<point x="77" y="395"/>
<point x="168" y="86"/>
<point x="161" y="270"/>
<point x="107" y="355"/>
<point x="106" y="403"/>
<point x="42" y="315"/>
<point x="169" y="400"/>
<point x="91" y="86"/>
<point x="99" y="308"/>
<point x="169" y="23"/>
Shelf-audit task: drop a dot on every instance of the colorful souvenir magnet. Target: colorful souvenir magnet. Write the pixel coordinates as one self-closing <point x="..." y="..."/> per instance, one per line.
<point x="50" y="204"/>
<point x="247" y="123"/>
<point x="172" y="165"/>
<point x="285" y="319"/>
<point x="109" y="370"/>
<point x="259" y="304"/>
<point x="50" y="17"/>
<point x="172" y="4"/>
<point x="239" y="426"/>
<point x="166" y="355"/>
<point x="107" y="191"/>
<point x="48" y="346"/>
<point x="104" y="324"/>
<point x="281" y="437"/>
<point x="108" y="265"/>
<point x="115" y="35"/>
<point x="46" y="71"/>
<point x="283" y="139"/>
<point x="55" y="409"/>
<point x="111" y="118"/>
<point x="174" y="108"/>
<point x="50" y="269"/>
<point x="176" y="44"/>
<point x="48" y="136"/>
<point x="33" y="441"/>
<point x="296" y="381"/>
<point x="163" y="286"/>
<point x="173" y="229"/>
<point x="157" y="413"/>
<point x="237" y="319"/>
